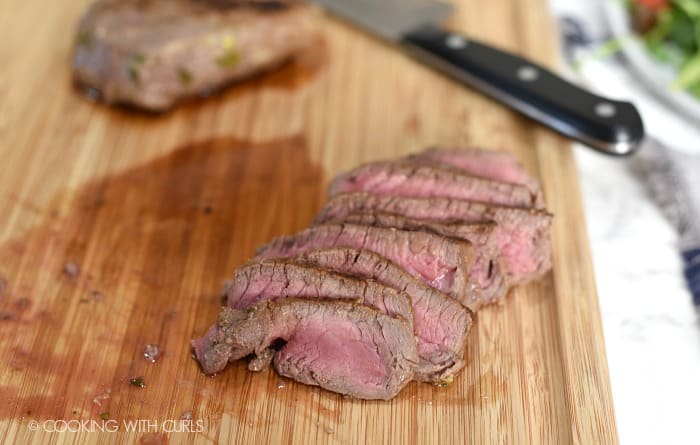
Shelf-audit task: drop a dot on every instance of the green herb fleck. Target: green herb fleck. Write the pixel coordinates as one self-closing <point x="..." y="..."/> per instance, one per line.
<point x="138" y="382"/>
<point x="104" y="416"/>
<point x="134" y="74"/>
<point x="134" y="67"/>
<point x="446" y="381"/>
<point x="229" y="59"/>
<point x="84" y="37"/>
<point x="185" y="76"/>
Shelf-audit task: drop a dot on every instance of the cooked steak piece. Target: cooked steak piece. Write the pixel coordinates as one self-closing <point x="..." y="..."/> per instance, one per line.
<point x="269" y="280"/>
<point x="441" y="324"/>
<point x="412" y="180"/>
<point x="477" y="233"/>
<point x="150" y="53"/>
<point x="497" y="165"/>
<point x="340" y="346"/>
<point x="523" y="235"/>
<point x="450" y="265"/>
<point x="482" y="236"/>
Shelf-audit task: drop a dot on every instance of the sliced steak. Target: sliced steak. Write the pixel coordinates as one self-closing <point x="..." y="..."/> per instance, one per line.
<point x="523" y="235"/>
<point x="497" y="165"/>
<point x="482" y="236"/>
<point x="340" y="346"/>
<point x="441" y="324"/>
<point x="450" y="265"/>
<point x="150" y="53"/>
<point x="269" y="280"/>
<point x="413" y="180"/>
<point x="477" y="233"/>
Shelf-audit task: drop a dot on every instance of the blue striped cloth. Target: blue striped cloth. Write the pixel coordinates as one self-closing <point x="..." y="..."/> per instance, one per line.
<point x="674" y="180"/>
<point x="692" y="273"/>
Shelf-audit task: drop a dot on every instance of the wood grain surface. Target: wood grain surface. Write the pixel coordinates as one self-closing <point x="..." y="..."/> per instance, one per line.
<point x="156" y="211"/>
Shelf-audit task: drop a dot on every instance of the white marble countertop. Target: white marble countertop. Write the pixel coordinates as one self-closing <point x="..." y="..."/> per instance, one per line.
<point x="652" y="331"/>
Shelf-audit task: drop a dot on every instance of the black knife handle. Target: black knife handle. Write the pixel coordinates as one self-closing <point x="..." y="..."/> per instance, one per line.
<point x="611" y="126"/>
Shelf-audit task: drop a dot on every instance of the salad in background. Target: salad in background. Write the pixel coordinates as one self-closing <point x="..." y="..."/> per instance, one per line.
<point x="671" y="32"/>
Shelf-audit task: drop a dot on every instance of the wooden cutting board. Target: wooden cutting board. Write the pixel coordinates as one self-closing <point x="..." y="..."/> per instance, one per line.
<point x="156" y="211"/>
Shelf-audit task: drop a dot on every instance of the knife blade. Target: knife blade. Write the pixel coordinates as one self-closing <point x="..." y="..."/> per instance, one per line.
<point x="610" y="126"/>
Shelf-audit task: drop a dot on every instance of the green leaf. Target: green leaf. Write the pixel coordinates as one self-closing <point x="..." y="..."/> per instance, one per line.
<point x="660" y="51"/>
<point x="690" y="7"/>
<point x="689" y="75"/>
<point x="695" y="90"/>
<point x="682" y="33"/>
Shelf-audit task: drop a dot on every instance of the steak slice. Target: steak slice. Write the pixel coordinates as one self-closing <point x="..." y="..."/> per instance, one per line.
<point x="450" y="265"/>
<point x="482" y="236"/>
<point x="269" y="280"/>
<point x="413" y="180"/>
<point x="497" y="165"/>
<point x="151" y="53"/>
<point x="340" y="346"/>
<point x="523" y="235"/>
<point x="478" y="233"/>
<point x="441" y="324"/>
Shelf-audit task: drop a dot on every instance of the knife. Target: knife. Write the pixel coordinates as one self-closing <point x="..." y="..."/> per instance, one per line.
<point x="610" y="126"/>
